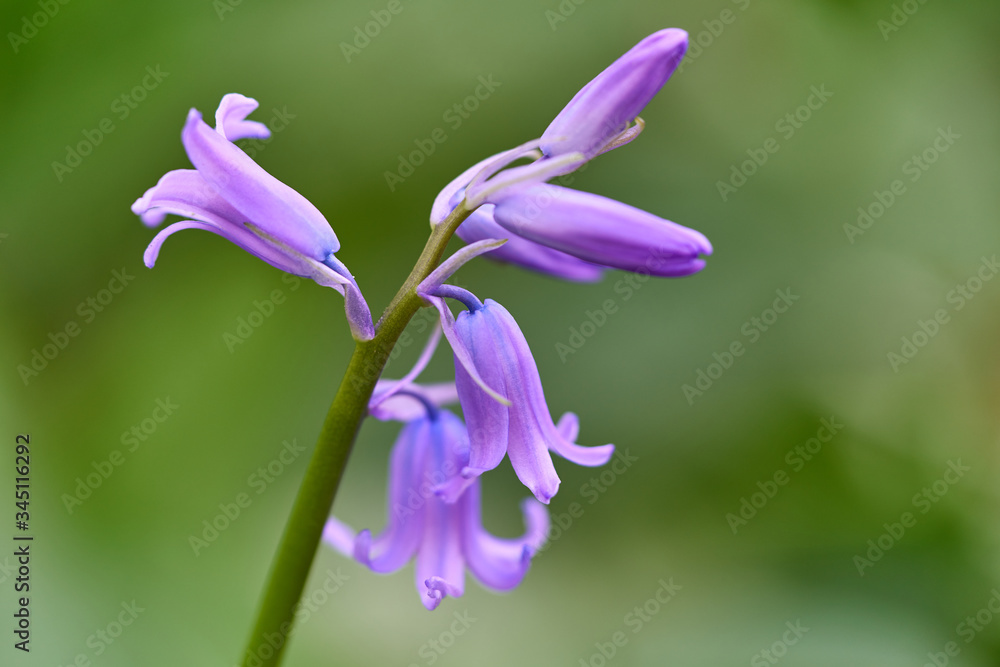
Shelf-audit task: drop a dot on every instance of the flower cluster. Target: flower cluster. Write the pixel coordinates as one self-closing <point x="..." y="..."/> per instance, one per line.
<point x="517" y="217"/>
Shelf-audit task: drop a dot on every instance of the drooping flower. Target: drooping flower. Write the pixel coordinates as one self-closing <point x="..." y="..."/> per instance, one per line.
<point x="500" y="391"/>
<point x="562" y="232"/>
<point x="230" y="195"/>
<point x="444" y="538"/>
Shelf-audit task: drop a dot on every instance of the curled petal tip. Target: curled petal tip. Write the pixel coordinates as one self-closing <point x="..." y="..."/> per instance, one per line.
<point x="441" y="587"/>
<point x="536" y="521"/>
<point x="230" y="118"/>
<point x="451" y="490"/>
<point x="258" y="196"/>
<point x="544" y="496"/>
<point x="362" y="547"/>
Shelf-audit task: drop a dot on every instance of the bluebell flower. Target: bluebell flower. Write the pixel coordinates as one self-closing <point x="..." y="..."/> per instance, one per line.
<point x="500" y="391"/>
<point x="444" y="538"/>
<point x="230" y="195"/>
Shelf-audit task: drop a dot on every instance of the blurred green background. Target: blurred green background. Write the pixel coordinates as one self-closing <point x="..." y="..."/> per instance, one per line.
<point x="794" y="561"/>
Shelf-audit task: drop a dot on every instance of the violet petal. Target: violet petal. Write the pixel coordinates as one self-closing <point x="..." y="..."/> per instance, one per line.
<point x="601" y="230"/>
<point x="605" y="107"/>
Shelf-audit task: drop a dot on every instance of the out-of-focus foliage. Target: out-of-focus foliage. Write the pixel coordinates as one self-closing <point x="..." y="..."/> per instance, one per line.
<point x="902" y="422"/>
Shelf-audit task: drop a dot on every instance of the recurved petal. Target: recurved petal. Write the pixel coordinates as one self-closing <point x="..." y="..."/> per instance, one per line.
<point x="569" y="426"/>
<point x="600" y="230"/>
<point x="564" y="444"/>
<point x="244" y="239"/>
<point x="340" y="536"/>
<point x="499" y="563"/>
<point x="537" y="418"/>
<point x="230" y="119"/>
<point x="524" y="253"/>
<point x="185" y="193"/>
<point x="407" y="504"/>
<point x="583" y="456"/>
<point x="603" y="108"/>
<point x="262" y="199"/>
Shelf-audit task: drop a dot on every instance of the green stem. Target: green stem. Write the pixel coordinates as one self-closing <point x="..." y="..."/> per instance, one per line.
<point x="304" y="529"/>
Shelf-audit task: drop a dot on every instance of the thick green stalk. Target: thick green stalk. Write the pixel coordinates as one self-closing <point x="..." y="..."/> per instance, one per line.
<point x="304" y="529"/>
